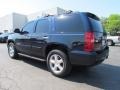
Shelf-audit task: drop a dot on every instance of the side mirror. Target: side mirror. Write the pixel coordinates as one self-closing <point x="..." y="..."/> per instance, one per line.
<point x="17" y="30"/>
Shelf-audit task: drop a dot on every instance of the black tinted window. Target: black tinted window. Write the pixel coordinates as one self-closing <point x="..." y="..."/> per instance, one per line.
<point x="42" y="26"/>
<point x="93" y="16"/>
<point x="29" y="27"/>
<point x="96" y="25"/>
<point x="69" y="23"/>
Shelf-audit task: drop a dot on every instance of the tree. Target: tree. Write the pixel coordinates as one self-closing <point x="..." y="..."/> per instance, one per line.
<point x="104" y="21"/>
<point x="112" y="24"/>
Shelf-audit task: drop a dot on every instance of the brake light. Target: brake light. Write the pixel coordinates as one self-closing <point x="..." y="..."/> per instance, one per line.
<point x="89" y="41"/>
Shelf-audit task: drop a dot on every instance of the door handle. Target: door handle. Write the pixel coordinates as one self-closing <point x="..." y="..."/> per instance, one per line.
<point x="27" y="37"/>
<point x="45" y="37"/>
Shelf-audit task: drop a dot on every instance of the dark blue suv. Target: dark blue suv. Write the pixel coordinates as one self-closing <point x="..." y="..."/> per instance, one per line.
<point x="75" y="38"/>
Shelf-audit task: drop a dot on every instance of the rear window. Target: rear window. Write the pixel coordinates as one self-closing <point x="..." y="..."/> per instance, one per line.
<point x="96" y="25"/>
<point x="69" y="23"/>
<point x="95" y="22"/>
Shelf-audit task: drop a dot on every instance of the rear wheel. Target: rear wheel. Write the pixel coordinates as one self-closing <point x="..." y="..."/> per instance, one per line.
<point x="12" y="50"/>
<point x="58" y="63"/>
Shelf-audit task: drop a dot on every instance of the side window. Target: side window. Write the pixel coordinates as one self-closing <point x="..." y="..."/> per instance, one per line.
<point x="69" y="23"/>
<point x="42" y="26"/>
<point x="29" y="28"/>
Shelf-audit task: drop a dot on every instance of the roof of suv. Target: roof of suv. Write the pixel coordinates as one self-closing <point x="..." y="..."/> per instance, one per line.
<point x="68" y="13"/>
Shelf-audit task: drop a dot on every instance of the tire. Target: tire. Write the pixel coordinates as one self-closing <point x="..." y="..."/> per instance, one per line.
<point x="12" y="51"/>
<point x="110" y="43"/>
<point x="58" y="63"/>
<point x="113" y="44"/>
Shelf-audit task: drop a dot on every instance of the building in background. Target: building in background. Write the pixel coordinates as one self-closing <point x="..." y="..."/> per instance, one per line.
<point x="53" y="11"/>
<point x="9" y="22"/>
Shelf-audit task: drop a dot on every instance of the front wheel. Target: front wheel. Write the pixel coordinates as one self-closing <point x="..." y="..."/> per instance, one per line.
<point x="58" y="63"/>
<point x="12" y="50"/>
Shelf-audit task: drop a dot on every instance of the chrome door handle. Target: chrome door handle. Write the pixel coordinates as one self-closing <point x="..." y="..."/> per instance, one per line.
<point x="27" y="37"/>
<point x="45" y="37"/>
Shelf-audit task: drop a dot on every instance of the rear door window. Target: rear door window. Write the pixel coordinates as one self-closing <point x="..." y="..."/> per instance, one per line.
<point x="69" y="23"/>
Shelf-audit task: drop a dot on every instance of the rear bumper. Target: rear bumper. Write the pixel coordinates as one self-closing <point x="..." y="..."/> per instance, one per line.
<point x="88" y="58"/>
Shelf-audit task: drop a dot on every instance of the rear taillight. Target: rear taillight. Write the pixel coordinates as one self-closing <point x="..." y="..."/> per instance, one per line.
<point x="89" y="41"/>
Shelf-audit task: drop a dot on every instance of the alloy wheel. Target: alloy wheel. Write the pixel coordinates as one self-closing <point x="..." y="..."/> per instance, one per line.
<point x="56" y="63"/>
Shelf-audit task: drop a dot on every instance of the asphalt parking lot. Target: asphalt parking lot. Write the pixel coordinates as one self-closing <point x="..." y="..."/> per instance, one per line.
<point x="29" y="74"/>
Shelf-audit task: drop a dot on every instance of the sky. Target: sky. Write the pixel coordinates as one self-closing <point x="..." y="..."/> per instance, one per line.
<point x="99" y="7"/>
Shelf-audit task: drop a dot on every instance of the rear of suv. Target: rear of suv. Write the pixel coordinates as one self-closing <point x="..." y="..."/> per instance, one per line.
<point x="75" y="38"/>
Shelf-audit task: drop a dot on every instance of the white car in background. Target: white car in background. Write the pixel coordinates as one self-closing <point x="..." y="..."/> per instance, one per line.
<point x="112" y="40"/>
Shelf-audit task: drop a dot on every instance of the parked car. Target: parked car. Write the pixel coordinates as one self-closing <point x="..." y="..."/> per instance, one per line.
<point x="112" y="40"/>
<point x="4" y="37"/>
<point x="75" y="38"/>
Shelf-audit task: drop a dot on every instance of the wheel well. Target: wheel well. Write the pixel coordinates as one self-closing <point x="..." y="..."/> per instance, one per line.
<point x="10" y="42"/>
<point x="113" y="43"/>
<point x="110" y="40"/>
<point x="54" y="46"/>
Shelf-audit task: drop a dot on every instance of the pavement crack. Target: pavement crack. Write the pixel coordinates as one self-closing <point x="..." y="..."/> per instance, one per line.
<point x="7" y="83"/>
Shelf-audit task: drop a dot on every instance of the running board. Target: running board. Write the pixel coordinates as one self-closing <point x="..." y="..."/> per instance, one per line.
<point x="31" y="57"/>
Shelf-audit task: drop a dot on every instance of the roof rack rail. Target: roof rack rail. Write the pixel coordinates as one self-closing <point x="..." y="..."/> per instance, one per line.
<point x="47" y="15"/>
<point x="69" y="11"/>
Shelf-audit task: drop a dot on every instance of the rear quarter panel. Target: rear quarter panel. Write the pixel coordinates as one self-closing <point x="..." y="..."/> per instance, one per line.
<point x="72" y="41"/>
